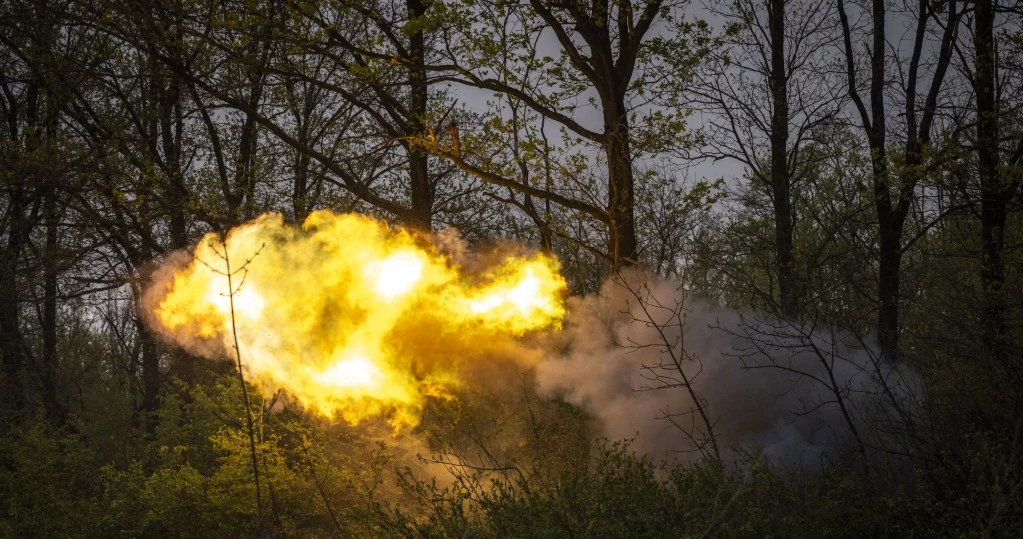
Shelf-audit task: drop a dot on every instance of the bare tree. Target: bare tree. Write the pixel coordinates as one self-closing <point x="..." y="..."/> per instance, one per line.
<point x="997" y="184"/>
<point x="781" y="56"/>
<point x="894" y="177"/>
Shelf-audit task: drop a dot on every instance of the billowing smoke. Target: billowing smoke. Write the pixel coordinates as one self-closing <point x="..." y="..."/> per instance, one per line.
<point x="687" y="379"/>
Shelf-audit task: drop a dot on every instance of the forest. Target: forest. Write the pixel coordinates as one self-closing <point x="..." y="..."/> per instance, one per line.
<point x="511" y="268"/>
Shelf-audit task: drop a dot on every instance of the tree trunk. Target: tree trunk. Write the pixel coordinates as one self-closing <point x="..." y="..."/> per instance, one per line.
<point x="300" y="202"/>
<point x="890" y="224"/>
<point x="21" y="212"/>
<point x="168" y="95"/>
<point x="890" y="214"/>
<point x="150" y="363"/>
<point x="244" y="183"/>
<point x="49" y="321"/>
<point x="421" y="191"/>
<point x="780" y="178"/>
<point x="16" y="355"/>
<point x="993" y="194"/>
<point x="622" y="245"/>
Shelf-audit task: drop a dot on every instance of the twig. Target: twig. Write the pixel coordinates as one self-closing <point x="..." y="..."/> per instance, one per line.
<point x="238" y="357"/>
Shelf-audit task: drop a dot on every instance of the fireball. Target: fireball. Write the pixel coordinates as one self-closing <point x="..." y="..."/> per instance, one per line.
<point x="351" y="317"/>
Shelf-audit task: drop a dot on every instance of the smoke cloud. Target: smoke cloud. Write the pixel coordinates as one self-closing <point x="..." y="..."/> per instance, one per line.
<point x="680" y="375"/>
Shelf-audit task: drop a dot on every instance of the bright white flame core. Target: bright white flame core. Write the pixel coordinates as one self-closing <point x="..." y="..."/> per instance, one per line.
<point x="354" y="372"/>
<point x="525" y="297"/>
<point x="397" y="274"/>
<point x="247" y="302"/>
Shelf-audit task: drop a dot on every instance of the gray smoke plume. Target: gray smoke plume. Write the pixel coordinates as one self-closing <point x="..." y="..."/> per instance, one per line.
<point x="687" y="379"/>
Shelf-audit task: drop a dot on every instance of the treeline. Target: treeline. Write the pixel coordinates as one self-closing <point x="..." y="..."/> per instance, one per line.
<point x="842" y="164"/>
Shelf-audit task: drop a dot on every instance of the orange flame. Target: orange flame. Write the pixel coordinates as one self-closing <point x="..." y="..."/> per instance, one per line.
<point x="346" y="313"/>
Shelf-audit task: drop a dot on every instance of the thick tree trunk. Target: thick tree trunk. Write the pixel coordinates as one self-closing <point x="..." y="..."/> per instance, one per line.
<point x="421" y="191"/>
<point x="890" y="226"/>
<point x="889" y="220"/>
<point x="622" y="245"/>
<point x="780" y="178"/>
<point x="993" y="192"/>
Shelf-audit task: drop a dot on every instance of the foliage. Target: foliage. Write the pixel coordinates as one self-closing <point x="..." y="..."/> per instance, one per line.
<point x="129" y="131"/>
